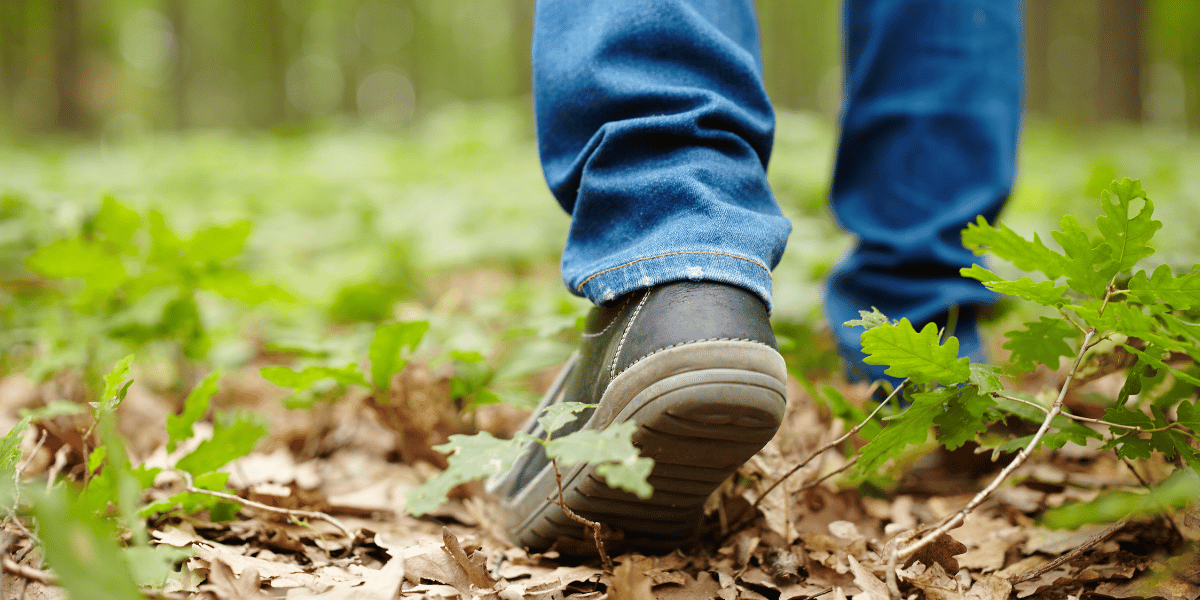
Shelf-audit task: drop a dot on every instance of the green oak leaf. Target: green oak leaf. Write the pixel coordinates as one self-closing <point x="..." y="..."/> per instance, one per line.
<point x="908" y="428"/>
<point x="594" y="446"/>
<point x="179" y="427"/>
<point x="1045" y="293"/>
<point x="1083" y="254"/>
<point x="965" y="416"/>
<point x="1128" y="237"/>
<point x="219" y="244"/>
<point x="303" y="380"/>
<point x="868" y="319"/>
<point x="1180" y="293"/>
<point x="629" y="475"/>
<point x="916" y="356"/>
<point x="389" y="343"/>
<point x="471" y="457"/>
<point x="1040" y="342"/>
<point x="1005" y="243"/>
<point x="1179" y="490"/>
<point x="559" y="414"/>
<point x="234" y="436"/>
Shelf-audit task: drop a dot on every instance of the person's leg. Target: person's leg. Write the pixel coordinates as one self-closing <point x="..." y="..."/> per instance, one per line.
<point x="654" y="131"/>
<point x="932" y="112"/>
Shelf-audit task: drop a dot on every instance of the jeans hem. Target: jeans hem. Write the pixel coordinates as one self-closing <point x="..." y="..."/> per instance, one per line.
<point x="607" y="284"/>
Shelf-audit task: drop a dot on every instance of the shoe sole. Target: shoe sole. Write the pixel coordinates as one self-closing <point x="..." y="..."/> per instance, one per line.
<point x="702" y="410"/>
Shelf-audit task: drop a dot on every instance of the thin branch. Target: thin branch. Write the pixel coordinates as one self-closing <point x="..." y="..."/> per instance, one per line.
<point x="1071" y="320"/>
<point x="827" y="446"/>
<point x="32" y="453"/>
<point x="1072" y="555"/>
<point x="958" y="517"/>
<point x="892" y="585"/>
<point x="303" y="514"/>
<point x="825" y="477"/>
<point x="594" y="526"/>
<point x="28" y="572"/>
<point x="1132" y="428"/>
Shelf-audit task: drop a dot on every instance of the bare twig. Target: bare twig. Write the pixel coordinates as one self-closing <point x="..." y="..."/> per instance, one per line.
<point x="60" y="461"/>
<point x="302" y="514"/>
<point x="32" y="453"/>
<point x="28" y="572"/>
<point x="822" y="449"/>
<point x="892" y="585"/>
<point x="1074" y="417"/>
<point x="1072" y="555"/>
<point x="957" y="518"/>
<point x="594" y="526"/>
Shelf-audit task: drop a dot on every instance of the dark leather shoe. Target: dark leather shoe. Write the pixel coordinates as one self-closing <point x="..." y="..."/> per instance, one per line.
<point x="695" y="365"/>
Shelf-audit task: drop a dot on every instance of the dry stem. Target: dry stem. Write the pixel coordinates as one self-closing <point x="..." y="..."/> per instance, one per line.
<point x="28" y="572"/>
<point x="303" y="514"/>
<point x="1132" y="428"/>
<point x="1072" y="555"/>
<point x="822" y="449"/>
<point x="594" y="526"/>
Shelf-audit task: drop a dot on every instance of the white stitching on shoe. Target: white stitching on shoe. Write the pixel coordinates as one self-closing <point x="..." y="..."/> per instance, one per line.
<point x="610" y="323"/>
<point x="617" y="355"/>
<point x="644" y="357"/>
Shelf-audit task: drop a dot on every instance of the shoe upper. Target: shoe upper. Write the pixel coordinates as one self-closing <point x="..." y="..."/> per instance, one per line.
<point x="639" y="324"/>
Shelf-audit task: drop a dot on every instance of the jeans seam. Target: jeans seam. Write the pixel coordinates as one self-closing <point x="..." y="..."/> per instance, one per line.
<point x="579" y="288"/>
<point x="624" y="334"/>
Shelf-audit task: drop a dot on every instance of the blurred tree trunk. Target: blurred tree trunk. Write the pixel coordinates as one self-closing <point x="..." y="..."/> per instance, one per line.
<point x="177" y="15"/>
<point x="1122" y="46"/>
<point x="68" y="67"/>
<point x="1037" y="44"/>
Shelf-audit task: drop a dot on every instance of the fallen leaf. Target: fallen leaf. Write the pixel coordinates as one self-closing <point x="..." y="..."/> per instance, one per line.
<point x="990" y="588"/>
<point x="630" y="582"/>
<point x="474" y="565"/>
<point x="224" y="585"/>
<point x="872" y="588"/>
<point x="940" y="551"/>
<point x="430" y="562"/>
<point x="932" y="581"/>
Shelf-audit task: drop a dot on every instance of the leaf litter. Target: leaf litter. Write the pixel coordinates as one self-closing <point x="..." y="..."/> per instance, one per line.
<point x="358" y="463"/>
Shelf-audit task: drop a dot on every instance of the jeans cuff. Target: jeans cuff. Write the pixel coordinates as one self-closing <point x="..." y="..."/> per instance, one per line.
<point x="694" y="265"/>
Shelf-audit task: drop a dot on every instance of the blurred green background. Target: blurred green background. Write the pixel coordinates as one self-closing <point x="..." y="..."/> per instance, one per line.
<point x="382" y="152"/>
<point x="118" y="67"/>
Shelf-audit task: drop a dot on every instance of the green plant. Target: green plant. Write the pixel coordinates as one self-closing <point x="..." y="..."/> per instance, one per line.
<point x="482" y="455"/>
<point x="128" y="277"/>
<point x="1103" y="317"/>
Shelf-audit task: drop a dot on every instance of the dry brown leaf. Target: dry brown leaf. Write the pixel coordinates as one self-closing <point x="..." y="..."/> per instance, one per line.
<point x="990" y="588"/>
<point x="630" y="582"/>
<point x="872" y="588"/>
<point x="225" y="585"/>
<point x="940" y="551"/>
<point x="430" y="562"/>
<point x="212" y="553"/>
<point x="474" y="565"/>
<point x="932" y="581"/>
<point x="1055" y="542"/>
<point x="382" y="584"/>
<point x="702" y="587"/>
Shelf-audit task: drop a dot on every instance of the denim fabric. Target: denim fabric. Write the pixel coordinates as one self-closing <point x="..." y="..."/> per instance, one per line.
<point x="929" y="140"/>
<point x="655" y="130"/>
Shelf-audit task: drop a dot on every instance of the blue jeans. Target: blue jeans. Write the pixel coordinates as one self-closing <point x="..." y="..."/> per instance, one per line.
<point x="655" y="130"/>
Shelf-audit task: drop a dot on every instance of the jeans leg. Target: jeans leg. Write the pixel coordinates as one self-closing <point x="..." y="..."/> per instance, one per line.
<point x="654" y="131"/>
<point x="933" y="107"/>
